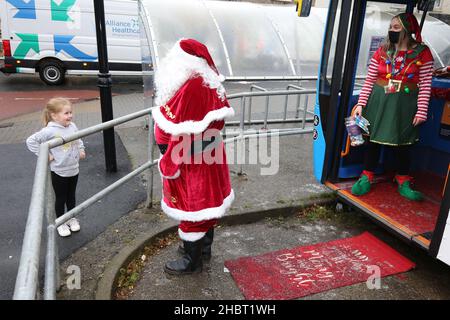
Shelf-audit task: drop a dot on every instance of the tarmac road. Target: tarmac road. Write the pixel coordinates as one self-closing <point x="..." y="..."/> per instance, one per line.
<point x="16" y="178"/>
<point x="18" y="165"/>
<point x="27" y="82"/>
<point x="23" y="93"/>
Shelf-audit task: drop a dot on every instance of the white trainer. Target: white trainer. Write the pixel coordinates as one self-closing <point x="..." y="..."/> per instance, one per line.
<point x="73" y="224"/>
<point x="63" y="230"/>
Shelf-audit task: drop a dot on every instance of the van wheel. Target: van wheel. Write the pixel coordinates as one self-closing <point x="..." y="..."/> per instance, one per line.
<point x="52" y="72"/>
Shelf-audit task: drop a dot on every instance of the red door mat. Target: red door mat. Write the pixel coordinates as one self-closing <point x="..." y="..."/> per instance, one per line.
<point x="301" y="271"/>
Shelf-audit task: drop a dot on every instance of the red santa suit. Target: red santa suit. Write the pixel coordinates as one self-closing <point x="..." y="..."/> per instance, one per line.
<point x="190" y="110"/>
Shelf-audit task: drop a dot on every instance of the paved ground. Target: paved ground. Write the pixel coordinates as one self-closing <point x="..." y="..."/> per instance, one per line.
<point x="232" y="242"/>
<point x="131" y="143"/>
<point x="113" y="230"/>
<point x="17" y="174"/>
<point x="292" y="186"/>
<point x="15" y="192"/>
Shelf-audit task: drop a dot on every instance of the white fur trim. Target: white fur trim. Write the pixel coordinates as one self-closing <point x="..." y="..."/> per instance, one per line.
<point x="176" y="175"/>
<point x="190" y="236"/>
<point x="194" y="216"/>
<point x="177" y="67"/>
<point x="190" y="126"/>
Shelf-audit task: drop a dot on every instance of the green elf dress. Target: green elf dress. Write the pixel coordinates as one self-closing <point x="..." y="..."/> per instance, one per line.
<point x="397" y="89"/>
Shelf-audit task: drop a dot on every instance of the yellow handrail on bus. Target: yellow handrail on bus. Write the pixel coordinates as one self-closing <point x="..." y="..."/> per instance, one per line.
<point x="347" y="144"/>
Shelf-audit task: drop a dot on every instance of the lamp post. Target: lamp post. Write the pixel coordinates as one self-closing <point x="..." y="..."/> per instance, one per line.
<point x="104" y="83"/>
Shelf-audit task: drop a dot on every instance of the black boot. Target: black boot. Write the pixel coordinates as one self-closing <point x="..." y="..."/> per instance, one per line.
<point x="207" y="243"/>
<point x="190" y="262"/>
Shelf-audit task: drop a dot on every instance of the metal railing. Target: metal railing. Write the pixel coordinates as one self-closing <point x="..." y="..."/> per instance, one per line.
<point x="266" y="114"/>
<point x="262" y="93"/>
<point x="42" y="198"/>
<point x="27" y="276"/>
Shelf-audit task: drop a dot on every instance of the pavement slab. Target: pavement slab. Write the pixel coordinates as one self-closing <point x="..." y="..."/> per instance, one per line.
<point x="271" y="234"/>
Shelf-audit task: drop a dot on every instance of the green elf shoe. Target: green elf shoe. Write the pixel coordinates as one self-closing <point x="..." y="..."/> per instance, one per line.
<point x="362" y="186"/>
<point x="404" y="188"/>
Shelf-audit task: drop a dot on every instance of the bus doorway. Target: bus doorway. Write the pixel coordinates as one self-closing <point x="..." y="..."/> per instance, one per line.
<point x="349" y="43"/>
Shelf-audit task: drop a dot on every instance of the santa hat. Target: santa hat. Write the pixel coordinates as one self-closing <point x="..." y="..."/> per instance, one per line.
<point x="198" y="49"/>
<point x="410" y="24"/>
<point x="189" y="90"/>
<point x="186" y="58"/>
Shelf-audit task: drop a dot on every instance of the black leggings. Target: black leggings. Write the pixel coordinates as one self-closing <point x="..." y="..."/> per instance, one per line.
<point x="64" y="192"/>
<point x="402" y="156"/>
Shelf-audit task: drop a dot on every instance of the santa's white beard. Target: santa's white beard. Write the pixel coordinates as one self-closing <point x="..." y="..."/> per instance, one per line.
<point x="178" y="67"/>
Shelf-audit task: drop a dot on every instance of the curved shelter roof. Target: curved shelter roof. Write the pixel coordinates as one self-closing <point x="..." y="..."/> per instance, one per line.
<point x="254" y="40"/>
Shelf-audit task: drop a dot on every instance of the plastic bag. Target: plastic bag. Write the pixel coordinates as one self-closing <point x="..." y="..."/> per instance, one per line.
<point x="363" y="123"/>
<point x="354" y="132"/>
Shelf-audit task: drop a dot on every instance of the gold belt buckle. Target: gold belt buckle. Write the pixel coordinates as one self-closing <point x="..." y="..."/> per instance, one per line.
<point x="393" y="86"/>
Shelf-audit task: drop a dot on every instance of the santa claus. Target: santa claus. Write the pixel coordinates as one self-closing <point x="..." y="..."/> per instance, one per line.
<point x="190" y="110"/>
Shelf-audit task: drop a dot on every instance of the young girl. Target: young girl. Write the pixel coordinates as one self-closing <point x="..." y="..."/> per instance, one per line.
<point x="57" y="117"/>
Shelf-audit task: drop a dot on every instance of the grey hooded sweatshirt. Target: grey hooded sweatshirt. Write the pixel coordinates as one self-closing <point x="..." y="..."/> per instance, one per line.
<point x="67" y="156"/>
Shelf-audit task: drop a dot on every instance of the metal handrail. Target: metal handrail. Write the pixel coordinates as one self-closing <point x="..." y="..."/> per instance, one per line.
<point x="27" y="276"/>
<point x="279" y="78"/>
<point x="269" y="93"/>
<point x="253" y="87"/>
<point x="287" y="98"/>
<point x="286" y="92"/>
<point x="101" y="194"/>
<point x="269" y="133"/>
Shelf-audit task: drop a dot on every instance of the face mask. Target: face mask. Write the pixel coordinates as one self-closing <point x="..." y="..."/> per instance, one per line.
<point x="394" y="36"/>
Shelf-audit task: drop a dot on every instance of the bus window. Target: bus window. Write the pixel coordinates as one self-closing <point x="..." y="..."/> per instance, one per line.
<point x="375" y="29"/>
<point x="327" y="60"/>
<point x="329" y="47"/>
<point x="335" y="46"/>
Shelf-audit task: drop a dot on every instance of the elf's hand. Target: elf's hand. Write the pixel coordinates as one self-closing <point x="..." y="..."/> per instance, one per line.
<point x="417" y="121"/>
<point x="50" y="158"/>
<point x="82" y="154"/>
<point x="357" y="111"/>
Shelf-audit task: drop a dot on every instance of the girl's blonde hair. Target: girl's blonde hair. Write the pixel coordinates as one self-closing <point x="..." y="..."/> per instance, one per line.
<point x="53" y="106"/>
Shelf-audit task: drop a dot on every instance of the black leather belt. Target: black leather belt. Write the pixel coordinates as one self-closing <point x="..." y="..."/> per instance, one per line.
<point x="162" y="148"/>
<point x="197" y="146"/>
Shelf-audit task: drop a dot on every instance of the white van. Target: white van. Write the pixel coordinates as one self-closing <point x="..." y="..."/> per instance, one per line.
<point x="58" y="37"/>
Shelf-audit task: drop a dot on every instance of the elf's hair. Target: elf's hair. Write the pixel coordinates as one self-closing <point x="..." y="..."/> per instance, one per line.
<point x="54" y="105"/>
<point x="389" y="46"/>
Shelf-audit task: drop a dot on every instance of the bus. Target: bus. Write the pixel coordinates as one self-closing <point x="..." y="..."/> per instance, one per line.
<point x="338" y="165"/>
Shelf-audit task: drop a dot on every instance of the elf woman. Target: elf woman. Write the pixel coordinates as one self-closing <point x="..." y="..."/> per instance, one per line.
<point x="395" y="99"/>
